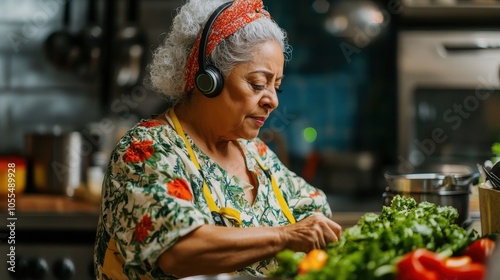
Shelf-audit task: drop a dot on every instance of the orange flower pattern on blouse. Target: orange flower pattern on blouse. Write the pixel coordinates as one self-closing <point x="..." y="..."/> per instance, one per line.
<point x="261" y="148"/>
<point x="150" y="123"/>
<point x="139" y="151"/>
<point x="180" y="189"/>
<point x="314" y="194"/>
<point x="142" y="228"/>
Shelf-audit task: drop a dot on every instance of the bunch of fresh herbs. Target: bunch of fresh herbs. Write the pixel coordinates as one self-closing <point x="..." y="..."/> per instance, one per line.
<point x="372" y="248"/>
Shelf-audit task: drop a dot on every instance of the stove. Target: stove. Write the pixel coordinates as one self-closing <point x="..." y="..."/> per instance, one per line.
<point x="48" y="238"/>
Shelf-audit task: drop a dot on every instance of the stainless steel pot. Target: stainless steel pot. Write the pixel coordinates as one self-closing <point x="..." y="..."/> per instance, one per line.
<point x="56" y="162"/>
<point x="444" y="185"/>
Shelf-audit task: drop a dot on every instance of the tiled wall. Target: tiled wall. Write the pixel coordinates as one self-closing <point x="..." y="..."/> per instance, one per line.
<point x="327" y="103"/>
<point x="349" y="99"/>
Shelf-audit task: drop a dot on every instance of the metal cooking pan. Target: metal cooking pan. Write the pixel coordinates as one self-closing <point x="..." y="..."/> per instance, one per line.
<point x="444" y="185"/>
<point x="438" y="179"/>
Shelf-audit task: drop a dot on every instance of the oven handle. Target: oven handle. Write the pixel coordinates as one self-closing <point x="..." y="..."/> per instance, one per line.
<point x="468" y="47"/>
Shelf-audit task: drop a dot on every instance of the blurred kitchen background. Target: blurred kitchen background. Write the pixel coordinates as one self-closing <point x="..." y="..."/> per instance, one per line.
<point x="371" y="86"/>
<point x="79" y="66"/>
<point x="367" y="83"/>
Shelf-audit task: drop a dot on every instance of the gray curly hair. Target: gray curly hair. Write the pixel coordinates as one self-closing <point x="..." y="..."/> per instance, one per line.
<point x="167" y="67"/>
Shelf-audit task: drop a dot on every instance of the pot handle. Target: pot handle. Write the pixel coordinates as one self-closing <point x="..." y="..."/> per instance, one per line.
<point x="450" y="180"/>
<point x="472" y="178"/>
<point x="387" y="197"/>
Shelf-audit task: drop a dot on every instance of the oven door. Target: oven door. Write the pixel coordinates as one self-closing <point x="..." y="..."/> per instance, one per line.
<point x="449" y="96"/>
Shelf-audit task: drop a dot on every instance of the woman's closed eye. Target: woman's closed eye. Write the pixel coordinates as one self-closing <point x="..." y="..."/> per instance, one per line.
<point x="262" y="87"/>
<point x="258" y="87"/>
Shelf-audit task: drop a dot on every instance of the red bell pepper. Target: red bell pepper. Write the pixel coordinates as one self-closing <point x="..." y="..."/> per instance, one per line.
<point x="462" y="268"/>
<point x="480" y="250"/>
<point x="422" y="264"/>
<point x="418" y="265"/>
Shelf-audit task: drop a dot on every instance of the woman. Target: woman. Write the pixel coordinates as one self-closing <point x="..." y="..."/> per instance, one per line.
<point x="194" y="191"/>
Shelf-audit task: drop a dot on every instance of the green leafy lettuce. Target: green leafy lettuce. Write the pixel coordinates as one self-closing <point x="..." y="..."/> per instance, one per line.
<point x="372" y="248"/>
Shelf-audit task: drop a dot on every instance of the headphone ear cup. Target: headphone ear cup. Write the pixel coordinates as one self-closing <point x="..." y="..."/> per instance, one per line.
<point x="209" y="81"/>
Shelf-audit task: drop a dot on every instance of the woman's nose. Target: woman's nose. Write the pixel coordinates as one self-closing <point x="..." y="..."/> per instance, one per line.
<point x="270" y="100"/>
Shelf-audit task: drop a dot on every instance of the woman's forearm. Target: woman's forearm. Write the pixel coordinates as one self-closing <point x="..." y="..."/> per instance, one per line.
<point x="213" y="249"/>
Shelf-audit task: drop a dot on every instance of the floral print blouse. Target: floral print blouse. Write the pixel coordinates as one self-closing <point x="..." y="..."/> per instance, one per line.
<point x="152" y="195"/>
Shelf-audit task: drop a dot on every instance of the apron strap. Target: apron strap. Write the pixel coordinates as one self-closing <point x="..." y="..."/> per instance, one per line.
<point x="226" y="211"/>
<point x="113" y="262"/>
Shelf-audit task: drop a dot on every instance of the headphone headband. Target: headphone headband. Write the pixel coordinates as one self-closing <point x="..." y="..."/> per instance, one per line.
<point x="206" y="31"/>
<point x="209" y="80"/>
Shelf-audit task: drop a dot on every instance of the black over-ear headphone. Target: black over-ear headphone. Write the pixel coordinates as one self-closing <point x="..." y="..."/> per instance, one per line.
<point x="209" y="79"/>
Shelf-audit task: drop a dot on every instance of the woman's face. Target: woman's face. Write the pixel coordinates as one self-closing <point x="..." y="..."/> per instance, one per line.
<point x="250" y="93"/>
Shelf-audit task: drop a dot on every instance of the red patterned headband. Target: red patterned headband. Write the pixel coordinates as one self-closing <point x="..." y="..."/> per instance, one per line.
<point x="239" y="14"/>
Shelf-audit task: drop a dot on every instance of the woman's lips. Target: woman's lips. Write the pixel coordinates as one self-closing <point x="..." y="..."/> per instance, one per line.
<point x="259" y="120"/>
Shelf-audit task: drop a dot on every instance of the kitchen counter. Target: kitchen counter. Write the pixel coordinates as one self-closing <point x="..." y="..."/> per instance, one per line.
<point x="59" y="212"/>
<point x="50" y="212"/>
<point x="49" y="203"/>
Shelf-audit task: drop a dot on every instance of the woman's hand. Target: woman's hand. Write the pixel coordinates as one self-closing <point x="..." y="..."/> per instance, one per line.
<point x="314" y="232"/>
<point x="215" y="249"/>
